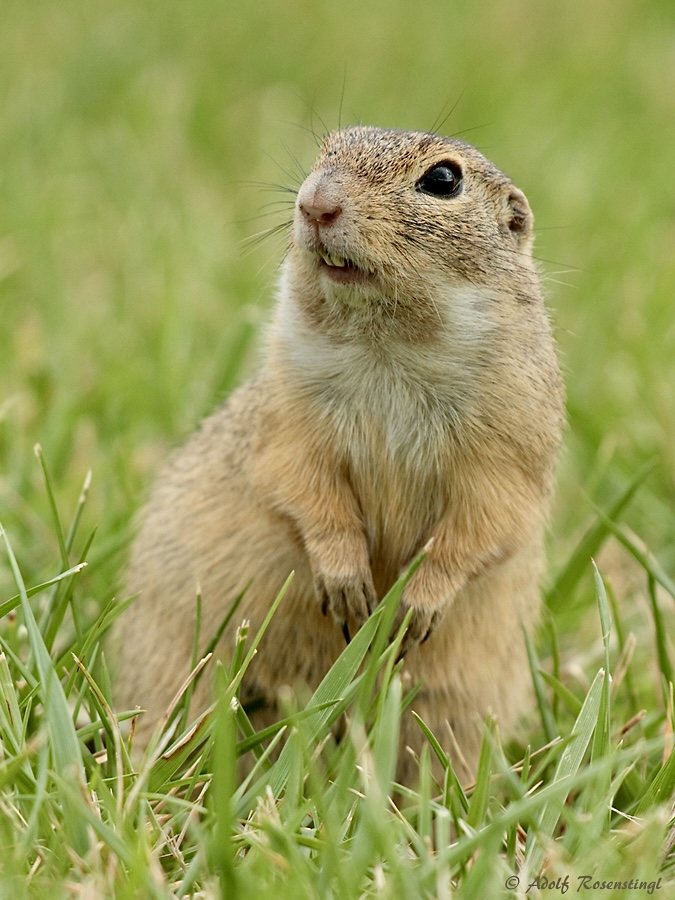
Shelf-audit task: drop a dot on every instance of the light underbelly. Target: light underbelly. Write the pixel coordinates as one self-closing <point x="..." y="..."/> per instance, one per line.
<point x="400" y="509"/>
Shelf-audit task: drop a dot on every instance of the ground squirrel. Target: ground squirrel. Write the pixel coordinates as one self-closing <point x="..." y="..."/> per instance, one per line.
<point x="410" y="390"/>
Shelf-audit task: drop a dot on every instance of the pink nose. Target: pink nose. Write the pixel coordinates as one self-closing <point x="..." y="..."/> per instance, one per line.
<point x="321" y="213"/>
<point x="318" y="203"/>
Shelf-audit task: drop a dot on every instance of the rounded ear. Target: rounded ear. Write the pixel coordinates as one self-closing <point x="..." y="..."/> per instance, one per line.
<point x="519" y="218"/>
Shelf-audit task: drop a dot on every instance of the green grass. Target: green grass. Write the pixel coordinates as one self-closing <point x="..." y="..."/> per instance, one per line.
<point x="139" y="149"/>
<point x="587" y="791"/>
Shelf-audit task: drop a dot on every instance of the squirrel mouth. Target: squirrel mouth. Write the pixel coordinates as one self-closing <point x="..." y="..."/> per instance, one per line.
<point x="338" y="268"/>
<point x="332" y="259"/>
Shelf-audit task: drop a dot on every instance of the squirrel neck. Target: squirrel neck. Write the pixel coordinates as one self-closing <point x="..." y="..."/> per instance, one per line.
<point x="358" y="349"/>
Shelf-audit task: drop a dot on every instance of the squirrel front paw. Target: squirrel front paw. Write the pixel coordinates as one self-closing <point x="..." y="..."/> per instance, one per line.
<point x="348" y="598"/>
<point x="427" y="594"/>
<point x="421" y="625"/>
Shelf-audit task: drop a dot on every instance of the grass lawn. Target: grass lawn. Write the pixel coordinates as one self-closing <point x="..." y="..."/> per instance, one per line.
<point x="142" y="146"/>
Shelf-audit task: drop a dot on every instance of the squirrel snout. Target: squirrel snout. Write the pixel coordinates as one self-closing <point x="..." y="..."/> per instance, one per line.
<point x="319" y="201"/>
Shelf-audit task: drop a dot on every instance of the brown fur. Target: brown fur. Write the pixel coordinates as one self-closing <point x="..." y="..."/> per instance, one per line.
<point x="421" y="401"/>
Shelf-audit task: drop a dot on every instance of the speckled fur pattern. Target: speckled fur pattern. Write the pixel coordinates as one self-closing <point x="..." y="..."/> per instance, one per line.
<point x="409" y="392"/>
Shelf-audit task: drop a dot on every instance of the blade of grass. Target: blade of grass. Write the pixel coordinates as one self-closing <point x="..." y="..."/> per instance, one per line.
<point x="566" y="580"/>
<point x="545" y="711"/>
<point x="440" y="753"/>
<point x="81" y="501"/>
<point x="253" y="649"/>
<point x="568" y="765"/>
<point x="388" y="606"/>
<point x="478" y="805"/>
<point x="58" y="527"/>
<point x="222" y="849"/>
<point x="40" y="805"/>
<point x="661" y="640"/>
<point x="385" y="741"/>
<point x="563" y="693"/>
<point x="15" y="601"/>
<point x="333" y="686"/>
<point x="11" y="725"/>
<point x="90" y="638"/>
<point x="184" y="712"/>
<point x="11" y="769"/>
<point x="211" y="646"/>
<point x="626" y="644"/>
<point x="601" y="735"/>
<point x="255" y="738"/>
<point x="65" y="545"/>
<point x="57" y="606"/>
<point x="530" y="806"/>
<point x="106" y="716"/>
<point x="646" y="559"/>
<point x="555" y="664"/>
<point x="63" y="741"/>
<point x="661" y="788"/>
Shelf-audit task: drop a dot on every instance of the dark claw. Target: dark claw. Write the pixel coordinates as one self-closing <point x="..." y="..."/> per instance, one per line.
<point x="323" y="593"/>
<point x="345" y="631"/>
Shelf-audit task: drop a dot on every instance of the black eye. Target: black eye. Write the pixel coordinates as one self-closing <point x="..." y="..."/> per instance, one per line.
<point x="442" y="180"/>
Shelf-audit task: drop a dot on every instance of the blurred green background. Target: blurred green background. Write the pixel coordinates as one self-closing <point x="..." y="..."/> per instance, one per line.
<point x="139" y="146"/>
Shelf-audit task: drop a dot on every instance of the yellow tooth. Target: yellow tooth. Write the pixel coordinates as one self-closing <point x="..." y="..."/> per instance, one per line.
<point x="332" y="260"/>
